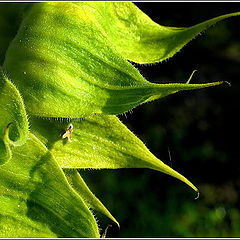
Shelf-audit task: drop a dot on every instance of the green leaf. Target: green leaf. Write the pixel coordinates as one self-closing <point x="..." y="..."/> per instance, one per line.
<point x="13" y="118"/>
<point x="36" y="199"/>
<point x="99" y="141"/>
<point x="65" y="66"/>
<point x="139" y="39"/>
<point x="78" y="184"/>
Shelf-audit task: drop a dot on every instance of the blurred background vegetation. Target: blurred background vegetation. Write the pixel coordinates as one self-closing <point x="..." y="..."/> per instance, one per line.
<point x="198" y="128"/>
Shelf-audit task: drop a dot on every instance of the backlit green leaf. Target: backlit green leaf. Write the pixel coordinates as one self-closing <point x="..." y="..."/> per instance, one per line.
<point x="13" y="118"/>
<point x="139" y="39"/>
<point x="65" y="65"/>
<point x="36" y="199"/>
<point x="78" y="184"/>
<point x="99" y="141"/>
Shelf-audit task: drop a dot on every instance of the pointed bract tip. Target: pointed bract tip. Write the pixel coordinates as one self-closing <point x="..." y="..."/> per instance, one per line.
<point x="198" y="194"/>
<point x="115" y="221"/>
<point x="118" y="225"/>
<point x="226" y="83"/>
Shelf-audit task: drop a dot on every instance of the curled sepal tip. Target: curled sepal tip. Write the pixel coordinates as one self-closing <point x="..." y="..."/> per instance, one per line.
<point x="5" y="152"/>
<point x="13" y="118"/>
<point x="190" y="78"/>
<point x="227" y="83"/>
<point x="198" y="195"/>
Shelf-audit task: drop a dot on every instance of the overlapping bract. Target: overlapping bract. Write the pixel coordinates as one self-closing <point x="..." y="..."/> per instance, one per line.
<point x="65" y="65"/>
<point x="100" y="142"/>
<point x="36" y="199"/>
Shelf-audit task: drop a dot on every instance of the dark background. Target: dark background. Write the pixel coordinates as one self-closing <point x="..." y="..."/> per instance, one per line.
<point x="200" y="128"/>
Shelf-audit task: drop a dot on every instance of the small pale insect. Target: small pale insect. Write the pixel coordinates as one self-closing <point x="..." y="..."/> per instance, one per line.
<point x="68" y="133"/>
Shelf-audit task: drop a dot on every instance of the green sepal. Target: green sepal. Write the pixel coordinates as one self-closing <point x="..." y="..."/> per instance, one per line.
<point x="138" y="38"/>
<point x="65" y="66"/>
<point x="98" y="142"/>
<point x="13" y="118"/>
<point x="79" y="185"/>
<point x="36" y="199"/>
